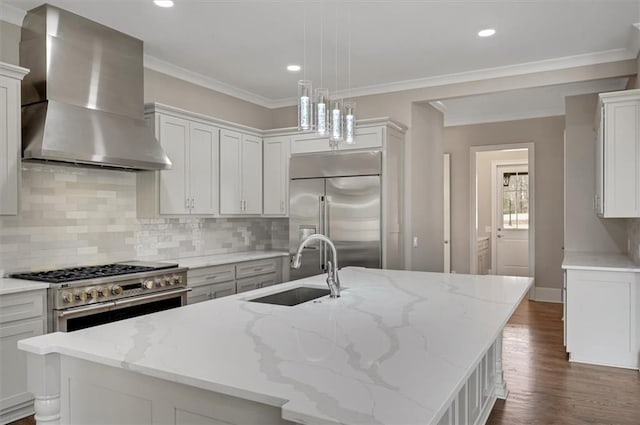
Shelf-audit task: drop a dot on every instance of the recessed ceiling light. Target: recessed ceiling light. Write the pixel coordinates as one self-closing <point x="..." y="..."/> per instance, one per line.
<point x="163" y="3"/>
<point x="293" y="68"/>
<point x="486" y="32"/>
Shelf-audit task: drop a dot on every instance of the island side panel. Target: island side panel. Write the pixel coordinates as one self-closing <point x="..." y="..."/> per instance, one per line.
<point x="94" y="393"/>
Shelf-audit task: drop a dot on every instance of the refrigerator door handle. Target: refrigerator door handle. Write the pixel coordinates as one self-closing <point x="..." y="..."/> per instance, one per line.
<point x="321" y="230"/>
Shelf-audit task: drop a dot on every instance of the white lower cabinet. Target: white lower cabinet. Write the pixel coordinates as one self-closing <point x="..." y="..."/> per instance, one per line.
<point x="21" y="316"/>
<point x="602" y="317"/>
<point x="256" y="282"/>
<point x="207" y="283"/>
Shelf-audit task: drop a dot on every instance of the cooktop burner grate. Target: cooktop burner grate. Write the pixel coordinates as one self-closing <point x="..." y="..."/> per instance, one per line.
<point x="79" y="273"/>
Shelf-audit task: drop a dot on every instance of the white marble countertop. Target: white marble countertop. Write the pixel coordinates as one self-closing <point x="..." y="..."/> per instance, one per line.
<point x="235" y="257"/>
<point x="599" y="261"/>
<point x="10" y="286"/>
<point x="395" y="348"/>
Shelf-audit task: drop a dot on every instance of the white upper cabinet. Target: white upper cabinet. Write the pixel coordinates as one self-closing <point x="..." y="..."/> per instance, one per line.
<point x="240" y="173"/>
<point x="10" y="145"/>
<point x="191" y="185"/>
<point x="618" y="154"/>
<point x="174" y="191"/>
<point x="276" y="175"/>
<point x="203" y="169"/>
<point x="366" y="138"/>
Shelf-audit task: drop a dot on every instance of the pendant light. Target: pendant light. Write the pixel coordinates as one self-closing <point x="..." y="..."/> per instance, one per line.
<point x="305" y="117"/>
<point x="321" y="94"/>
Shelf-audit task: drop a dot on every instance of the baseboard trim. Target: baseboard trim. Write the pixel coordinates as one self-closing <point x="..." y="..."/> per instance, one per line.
<point x="547" y="295"/>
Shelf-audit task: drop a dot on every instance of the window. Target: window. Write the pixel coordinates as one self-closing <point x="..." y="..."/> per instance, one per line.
<point x="515" y="200"/>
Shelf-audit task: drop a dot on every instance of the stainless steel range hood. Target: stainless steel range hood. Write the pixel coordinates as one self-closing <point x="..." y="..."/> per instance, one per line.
<point x="83" y="101"/>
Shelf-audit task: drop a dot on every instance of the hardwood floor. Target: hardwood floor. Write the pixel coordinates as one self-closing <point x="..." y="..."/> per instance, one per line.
<point x="544" y="388"/>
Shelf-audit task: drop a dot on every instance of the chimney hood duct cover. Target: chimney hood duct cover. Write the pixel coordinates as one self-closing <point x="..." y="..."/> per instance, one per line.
<point x="84" y="100"/>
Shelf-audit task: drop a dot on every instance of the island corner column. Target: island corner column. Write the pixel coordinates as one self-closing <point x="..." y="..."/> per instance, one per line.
<point x="501" y="385"/>
<point x="43" y="380"/>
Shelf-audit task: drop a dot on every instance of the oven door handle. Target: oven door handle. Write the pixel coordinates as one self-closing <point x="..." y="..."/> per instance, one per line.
<point x="130" y="302"/>
<point x="81" y="311"/>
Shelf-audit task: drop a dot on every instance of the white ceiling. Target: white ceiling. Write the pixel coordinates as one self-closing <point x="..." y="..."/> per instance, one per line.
<point x="241" y="47"/>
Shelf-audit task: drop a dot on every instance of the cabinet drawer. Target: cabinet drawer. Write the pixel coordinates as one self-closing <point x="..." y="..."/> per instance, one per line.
<point x="254" y="268"/>
<point x="209" y="275"/>
<point x="23" y="305"/>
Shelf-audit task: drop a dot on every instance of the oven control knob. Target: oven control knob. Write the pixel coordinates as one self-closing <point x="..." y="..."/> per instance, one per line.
<point x="92" y="293"/>
<point x="116" y="290"/>
<point x="147" y="284"/>
<point x="67" y="297"/>
<point x="81" y="295"/>
<point x="158" y="282"/>
<point x="166" y="281"/>
<point x="103" y="292"/>
<point x="176" y="280"/>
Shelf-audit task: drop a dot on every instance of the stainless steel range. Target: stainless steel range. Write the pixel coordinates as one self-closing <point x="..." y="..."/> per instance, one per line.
<point x="81" y="297"/>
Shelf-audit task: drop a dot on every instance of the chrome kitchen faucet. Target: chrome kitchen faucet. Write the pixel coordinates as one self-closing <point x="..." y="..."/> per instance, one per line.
<point x="333" y="280"/>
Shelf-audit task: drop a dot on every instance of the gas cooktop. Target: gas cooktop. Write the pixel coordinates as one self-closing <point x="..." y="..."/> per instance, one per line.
<point x="91" y="272"/>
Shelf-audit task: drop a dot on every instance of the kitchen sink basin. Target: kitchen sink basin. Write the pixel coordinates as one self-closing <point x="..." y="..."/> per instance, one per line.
<point x="294" y="296"/>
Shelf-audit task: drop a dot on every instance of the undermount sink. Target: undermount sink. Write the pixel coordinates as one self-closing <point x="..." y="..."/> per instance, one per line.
<point x="294" y="296"/>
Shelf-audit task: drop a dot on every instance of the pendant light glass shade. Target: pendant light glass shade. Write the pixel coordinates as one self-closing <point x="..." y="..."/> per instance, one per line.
<point x="321" y="111"/>
<point x="305" y="116"/>
<point x="350" y="122"/>
<point x="336" y="115"/>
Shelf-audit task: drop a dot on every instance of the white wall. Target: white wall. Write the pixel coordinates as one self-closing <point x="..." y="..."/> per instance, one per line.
<point x="546" y="135"/>
<point x="584" y="230"/>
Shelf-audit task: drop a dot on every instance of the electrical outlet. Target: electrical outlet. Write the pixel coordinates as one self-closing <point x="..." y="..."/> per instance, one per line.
<point x="415" y="241"/>
<point x="487" y="229"/>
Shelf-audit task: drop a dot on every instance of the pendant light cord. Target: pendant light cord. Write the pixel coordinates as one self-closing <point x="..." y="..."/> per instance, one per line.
<point x="304" y="41"/>
<point x="321" y="44"/>
<point x="336" y="48"/>
<point x="349" y="51"/>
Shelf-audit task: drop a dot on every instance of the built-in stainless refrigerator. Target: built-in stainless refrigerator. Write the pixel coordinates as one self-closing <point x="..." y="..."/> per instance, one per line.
<point x="336" y="194"/>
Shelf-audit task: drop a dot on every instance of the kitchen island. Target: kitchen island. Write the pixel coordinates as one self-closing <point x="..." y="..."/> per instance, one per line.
<point x="398" y="347"/>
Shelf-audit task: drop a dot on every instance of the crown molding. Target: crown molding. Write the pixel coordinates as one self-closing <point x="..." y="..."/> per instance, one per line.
<point x="164" y="67"/>
<point x="11" y="14"/>
<point x="13" y="71"/>
<point x="606" y="56"/>
<point x="439" y="106"/>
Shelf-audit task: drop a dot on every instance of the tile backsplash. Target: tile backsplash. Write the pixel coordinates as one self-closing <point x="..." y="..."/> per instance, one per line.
<point x="81" y="216"/>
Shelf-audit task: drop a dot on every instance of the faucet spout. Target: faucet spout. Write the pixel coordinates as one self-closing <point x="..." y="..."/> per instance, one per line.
<point x="333" y="280"/>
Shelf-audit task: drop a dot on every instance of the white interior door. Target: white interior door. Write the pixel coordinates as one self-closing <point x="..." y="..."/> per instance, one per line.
<point x="447" y="213"/>
<point x="512" y="220"/>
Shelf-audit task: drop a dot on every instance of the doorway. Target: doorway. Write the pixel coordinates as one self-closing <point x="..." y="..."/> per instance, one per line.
<point x="502" y="217"/>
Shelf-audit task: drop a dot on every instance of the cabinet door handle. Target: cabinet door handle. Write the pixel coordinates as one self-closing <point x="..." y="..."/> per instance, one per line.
<point x="186" y="204"/>
<point x="282" y="206"/>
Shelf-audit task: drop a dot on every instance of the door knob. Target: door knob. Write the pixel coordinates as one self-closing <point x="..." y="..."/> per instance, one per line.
<point x="499" y="236"/>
